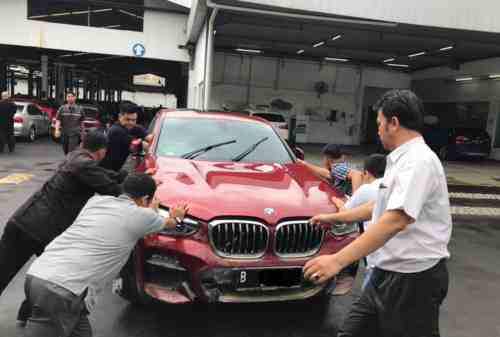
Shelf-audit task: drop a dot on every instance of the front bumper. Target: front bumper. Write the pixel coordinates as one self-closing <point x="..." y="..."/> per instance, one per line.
<point x="187" y="271"/>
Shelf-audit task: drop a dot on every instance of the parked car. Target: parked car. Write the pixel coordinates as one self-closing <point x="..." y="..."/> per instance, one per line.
<point x="247" y="236"/>
<point x="456" y="143"/>
<point x="276" y="119"/>
<point x="30" y="121"/>
<point x="93" y="118"/>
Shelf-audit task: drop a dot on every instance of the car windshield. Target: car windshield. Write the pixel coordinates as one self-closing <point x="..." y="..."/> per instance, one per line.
<point x="270" y="117"/>
<point x="183" y="135"/>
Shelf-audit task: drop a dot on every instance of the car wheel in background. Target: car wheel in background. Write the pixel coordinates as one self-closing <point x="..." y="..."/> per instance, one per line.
<point x="32" y="134"/>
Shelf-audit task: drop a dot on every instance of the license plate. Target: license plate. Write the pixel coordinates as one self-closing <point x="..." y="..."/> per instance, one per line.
<point x="251" y="278"/>
<point x="247" y="278"/>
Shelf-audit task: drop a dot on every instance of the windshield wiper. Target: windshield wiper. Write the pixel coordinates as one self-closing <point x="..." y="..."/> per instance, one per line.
<point x="196" y="153"/>
<point x="249" y="150"/>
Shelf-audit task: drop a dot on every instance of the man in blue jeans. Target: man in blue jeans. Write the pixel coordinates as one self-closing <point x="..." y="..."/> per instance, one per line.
<point x="91" y="251"/>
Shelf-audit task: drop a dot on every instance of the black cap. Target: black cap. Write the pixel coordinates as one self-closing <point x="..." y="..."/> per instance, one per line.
<point x="333" y="151"/>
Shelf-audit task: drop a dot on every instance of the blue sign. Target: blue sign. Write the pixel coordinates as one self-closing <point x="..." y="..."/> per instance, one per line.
<point x="139" y="50"/>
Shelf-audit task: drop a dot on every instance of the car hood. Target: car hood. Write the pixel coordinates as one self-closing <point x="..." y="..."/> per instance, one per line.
<point x="222" y="189"/>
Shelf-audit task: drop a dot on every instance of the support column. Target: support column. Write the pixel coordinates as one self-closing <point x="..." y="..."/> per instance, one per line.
<point x="209" y="60"/>
<point x="12" y="83"/>
<point x="30" y="82"/>
<point x="3" y="76"/>
<point x="45" y="76"/>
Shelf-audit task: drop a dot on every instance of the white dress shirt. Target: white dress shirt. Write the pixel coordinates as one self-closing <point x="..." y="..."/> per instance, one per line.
<point x="415" y="183"/>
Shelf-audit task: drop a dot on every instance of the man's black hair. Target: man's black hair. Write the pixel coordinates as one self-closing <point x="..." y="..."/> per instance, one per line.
<point x="94" y="140"/>
<point x="375" y="165"/>
<point x="139" y="185"/>
<point x="405" y="106"/>
<point x="70" y="93"/>
<point x="129" y="108"/>
<point x="333" y="151"/>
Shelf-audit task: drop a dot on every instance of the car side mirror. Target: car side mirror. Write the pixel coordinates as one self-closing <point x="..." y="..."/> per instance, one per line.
<point x="299" y="153"/>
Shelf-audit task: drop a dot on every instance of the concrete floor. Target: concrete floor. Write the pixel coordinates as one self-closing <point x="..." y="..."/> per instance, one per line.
<point x="471" y="308"/>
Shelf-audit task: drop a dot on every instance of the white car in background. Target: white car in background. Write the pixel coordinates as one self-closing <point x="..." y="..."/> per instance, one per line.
<point x="276" y="119"/>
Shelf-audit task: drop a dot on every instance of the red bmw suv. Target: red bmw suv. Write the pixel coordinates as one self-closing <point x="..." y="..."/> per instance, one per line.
<point x="247" y="235"/>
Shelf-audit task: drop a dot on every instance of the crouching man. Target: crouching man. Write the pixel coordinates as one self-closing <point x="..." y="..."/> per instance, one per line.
<point x="91" y="251"/>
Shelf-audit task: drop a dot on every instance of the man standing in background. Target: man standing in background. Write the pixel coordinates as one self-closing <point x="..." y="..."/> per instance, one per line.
<point x="7" y="112"/>
<point x="69" y="117"/>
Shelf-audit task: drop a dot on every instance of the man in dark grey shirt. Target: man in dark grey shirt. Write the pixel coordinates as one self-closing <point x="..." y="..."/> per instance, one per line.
<point x="92" y="251"/>
<point x="70" y="116"/>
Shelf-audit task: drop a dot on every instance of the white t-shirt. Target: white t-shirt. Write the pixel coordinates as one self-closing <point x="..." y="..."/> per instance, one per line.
<point x="414" y="182"/>
<point x="364" y="194"/>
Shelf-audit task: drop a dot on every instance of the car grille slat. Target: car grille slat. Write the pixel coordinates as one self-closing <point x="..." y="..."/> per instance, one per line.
<point x="298" y="238"/>
<point x="238" y="238"/>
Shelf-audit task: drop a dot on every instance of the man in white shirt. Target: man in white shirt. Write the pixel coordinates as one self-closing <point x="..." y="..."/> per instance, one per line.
<point x="373" y="172"/>
<point x="408" y="236"/>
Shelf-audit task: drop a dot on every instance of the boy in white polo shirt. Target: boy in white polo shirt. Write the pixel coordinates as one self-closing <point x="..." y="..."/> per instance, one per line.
<point x="408" y="236"/>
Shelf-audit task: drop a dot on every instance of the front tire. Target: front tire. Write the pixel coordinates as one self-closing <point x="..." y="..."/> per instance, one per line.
<point x="129" y="288"/>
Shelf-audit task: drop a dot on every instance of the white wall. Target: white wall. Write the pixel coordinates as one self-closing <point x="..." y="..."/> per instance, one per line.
<point x="197" y="73"/>
<point x="235" y="86"/>
<point x="163" y="33"/>
<point x="479" y="15"/>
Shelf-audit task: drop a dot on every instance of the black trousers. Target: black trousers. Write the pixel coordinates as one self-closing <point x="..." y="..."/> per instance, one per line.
<point x="6" y="137"/>
<point x="70" y="143"/>
<point x="56" y="311"/>
<point x="399" y="305"/>
<point x="16" y="248"/>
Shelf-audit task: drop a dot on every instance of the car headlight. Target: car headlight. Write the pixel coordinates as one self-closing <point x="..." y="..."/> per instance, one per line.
<point x="187" y="227"/>
<point x="342" y="229"/>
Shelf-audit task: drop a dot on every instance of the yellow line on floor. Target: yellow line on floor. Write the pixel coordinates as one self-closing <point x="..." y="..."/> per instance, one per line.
<point x="16" y="179"/>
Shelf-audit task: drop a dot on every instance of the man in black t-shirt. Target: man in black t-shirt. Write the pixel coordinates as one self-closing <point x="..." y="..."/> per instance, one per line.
<point x="120" y="135"/>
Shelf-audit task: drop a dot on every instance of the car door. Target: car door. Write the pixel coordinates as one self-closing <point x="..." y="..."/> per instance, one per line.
<point x="34" y="118"/>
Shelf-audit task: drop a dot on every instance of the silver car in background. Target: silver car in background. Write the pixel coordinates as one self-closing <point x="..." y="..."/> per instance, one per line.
<point x="30" y="122"/>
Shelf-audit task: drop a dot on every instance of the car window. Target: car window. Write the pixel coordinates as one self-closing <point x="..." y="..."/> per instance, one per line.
<point x="33" y="111"/>
<point x="90" y="113"/>
<point x="271" y="117"/>
<point x="179" y="136"/>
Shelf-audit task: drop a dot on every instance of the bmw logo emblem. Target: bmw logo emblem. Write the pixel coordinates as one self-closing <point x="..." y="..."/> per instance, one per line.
<point x="269" y="211"/>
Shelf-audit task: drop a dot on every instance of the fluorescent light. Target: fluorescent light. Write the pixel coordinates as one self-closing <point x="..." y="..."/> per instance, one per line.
<point x="494" y="76"/>
<point x="446" y="48"/>
<point x="417" y="54"/>
<point x="389" y="60"/>
<point x="130" y="14"/>
<point x="252" y="51"/>
<point x="71" y="55"/>
<point x="71" y="13"/>
<point x="101" y="10"/>
<point x="462" y="79"/>
<point x="300" y="51"/>
<point x="319" y="44"/>
<point x="112" y="26"/>
<point x="398" y="65"/>
<point x="336" y="59"/>
<point x="336" y="37"/>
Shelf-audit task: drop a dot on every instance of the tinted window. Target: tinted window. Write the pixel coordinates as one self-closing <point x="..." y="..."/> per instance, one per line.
<point x="271" y="117"/>
<point x="182" y="135"/>
<point x="33" y="110"/>
<point x="90" y="113"/>
<point x="20" y="108"/>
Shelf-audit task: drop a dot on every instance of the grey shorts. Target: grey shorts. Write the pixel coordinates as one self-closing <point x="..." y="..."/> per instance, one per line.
<point x="56" y="312"/>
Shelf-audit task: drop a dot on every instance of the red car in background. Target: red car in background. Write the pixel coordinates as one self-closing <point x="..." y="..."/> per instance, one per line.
<point x="247" y="236"/>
